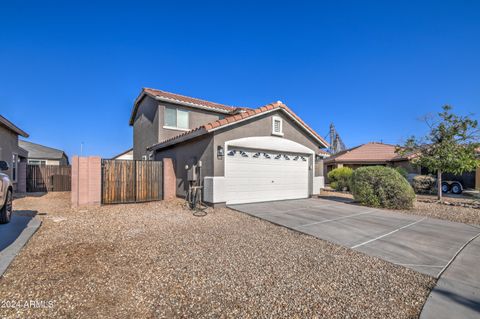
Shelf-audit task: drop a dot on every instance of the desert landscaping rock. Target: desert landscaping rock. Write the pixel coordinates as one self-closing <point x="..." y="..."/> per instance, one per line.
<point x="157" y="260"/>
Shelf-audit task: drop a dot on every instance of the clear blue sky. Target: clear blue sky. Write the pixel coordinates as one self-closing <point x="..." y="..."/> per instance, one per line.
<point x="70" y="70"/>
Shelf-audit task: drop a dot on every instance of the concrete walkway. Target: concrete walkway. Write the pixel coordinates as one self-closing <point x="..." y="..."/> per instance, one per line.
<point x="14" y="235"/>
<point x="457" y="293"/>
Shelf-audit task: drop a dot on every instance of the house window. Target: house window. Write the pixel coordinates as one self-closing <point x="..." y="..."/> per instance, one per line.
<point x="277" y="126"/>
<point x="175" y="118"/>
<point x="36" y="162"/>
<point x="14" y="167"/>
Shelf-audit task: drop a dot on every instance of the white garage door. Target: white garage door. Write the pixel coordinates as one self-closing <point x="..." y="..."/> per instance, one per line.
<point x="260" y="176"/>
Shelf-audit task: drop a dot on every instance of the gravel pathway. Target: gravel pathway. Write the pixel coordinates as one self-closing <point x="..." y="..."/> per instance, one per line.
<point x="156" y="260"/>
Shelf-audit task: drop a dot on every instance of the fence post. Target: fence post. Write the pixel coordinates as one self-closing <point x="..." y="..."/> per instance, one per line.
<point x="22" y="177"/>
<point x="169" y="179"/>
<point x="86" y="181"/>
<point x="75" y="177"/>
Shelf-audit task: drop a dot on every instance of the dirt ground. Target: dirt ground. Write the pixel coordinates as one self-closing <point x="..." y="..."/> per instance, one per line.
<point x="426" y="205"/>
<point x="156" y="260"/>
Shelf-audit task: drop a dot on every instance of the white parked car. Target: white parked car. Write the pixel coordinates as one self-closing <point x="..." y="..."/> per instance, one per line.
<point x="6" y="194"/>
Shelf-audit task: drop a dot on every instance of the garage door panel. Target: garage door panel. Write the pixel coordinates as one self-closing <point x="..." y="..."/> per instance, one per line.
<point x="256" y="179"/>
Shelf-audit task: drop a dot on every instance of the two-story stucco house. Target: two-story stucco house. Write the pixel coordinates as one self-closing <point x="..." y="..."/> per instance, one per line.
<point x="15" y="156"/>
<point x="247" y="155"/>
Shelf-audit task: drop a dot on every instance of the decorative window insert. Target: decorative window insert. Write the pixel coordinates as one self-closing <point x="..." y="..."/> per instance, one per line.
<point x="266" y="155"/>
<point x="256" y="155"/>
<point x="232" y="153"/>
<point x="279" y="156"/>
<point x="243" y="154"/>
<point x="277" y="126"/>
<point x="175" y="118"/>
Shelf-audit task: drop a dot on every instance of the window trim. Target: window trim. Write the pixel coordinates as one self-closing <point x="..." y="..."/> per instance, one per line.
<point x="277" y="118"/>
<point x="176" y="128"/>
<point x="14" y="167"/>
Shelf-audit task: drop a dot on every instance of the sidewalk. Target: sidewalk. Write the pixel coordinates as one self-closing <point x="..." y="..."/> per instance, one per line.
<point x="457" y="293"/>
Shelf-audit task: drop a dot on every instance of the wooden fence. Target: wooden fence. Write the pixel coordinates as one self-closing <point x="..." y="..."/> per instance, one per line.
<point x="48" y="178"/>
<point x="126" y="181"/>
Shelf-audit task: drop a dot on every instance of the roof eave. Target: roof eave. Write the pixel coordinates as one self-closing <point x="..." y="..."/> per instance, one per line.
<point x="12" y="127"/>
<point x="174" y="101"/>
<point x="180" y="139"/>
<point x="194" y="105"/>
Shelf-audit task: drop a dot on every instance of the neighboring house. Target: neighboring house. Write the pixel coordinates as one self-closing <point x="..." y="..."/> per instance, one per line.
<point x="369" y="154"/>
<point x="43" y="155"/>
<point x="127" y="155"/>
<point x="14" y="155"/>
<point x="375" y="153"/>
<point x="247" y="155"/>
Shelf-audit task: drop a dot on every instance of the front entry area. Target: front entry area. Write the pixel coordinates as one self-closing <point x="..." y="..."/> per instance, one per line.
<point x="259" y="176"/>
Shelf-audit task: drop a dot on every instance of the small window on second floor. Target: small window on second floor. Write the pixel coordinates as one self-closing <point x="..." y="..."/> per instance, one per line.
<point x="175" y="118"/>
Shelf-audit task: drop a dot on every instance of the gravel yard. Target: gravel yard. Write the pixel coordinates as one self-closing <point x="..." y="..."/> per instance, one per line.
<point x="427" y="206"/>
<point x="157" y="260"/>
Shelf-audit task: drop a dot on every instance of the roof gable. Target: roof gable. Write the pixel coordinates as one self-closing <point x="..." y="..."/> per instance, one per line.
<point x="238" y="118"/>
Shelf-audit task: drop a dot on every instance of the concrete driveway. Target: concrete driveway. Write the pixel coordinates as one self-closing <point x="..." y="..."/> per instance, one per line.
<point x="423" y="244"/>
<point x="14" y="235"/>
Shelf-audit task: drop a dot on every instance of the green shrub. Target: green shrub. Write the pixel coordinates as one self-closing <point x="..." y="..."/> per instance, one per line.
<point x="402" y="171"/>
<point x="380" y="186"/>
<point x="424" y="184"/>
<point x="339" y="178"/>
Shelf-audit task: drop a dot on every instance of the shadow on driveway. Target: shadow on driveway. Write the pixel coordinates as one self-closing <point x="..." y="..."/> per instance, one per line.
<point x="11" y="231"/>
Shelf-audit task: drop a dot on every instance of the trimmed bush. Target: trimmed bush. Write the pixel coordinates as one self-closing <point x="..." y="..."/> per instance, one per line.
<point x="380" y="186"/>
<point x="424" y="184"/>
<point x="402" y="171"/>
<point x="339" y="178"/>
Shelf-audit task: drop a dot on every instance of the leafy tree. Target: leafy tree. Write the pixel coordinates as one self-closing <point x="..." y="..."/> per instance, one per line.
<point x="449" y="147"/>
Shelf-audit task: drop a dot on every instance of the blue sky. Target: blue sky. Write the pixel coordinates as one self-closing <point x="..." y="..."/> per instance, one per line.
<point x="70" y="70"/>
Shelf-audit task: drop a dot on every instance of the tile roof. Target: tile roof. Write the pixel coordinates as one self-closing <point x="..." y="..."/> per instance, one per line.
<point x="182" y="99"/>
<point x="12" y="127"/>
<point x="245" y="114"/>
<point x="372" y="152"/>
<point x="187" y="99"/>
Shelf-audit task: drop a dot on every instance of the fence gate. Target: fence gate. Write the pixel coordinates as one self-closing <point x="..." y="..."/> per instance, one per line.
<point x="126" y="181"/>
<point x="49" y="178"/>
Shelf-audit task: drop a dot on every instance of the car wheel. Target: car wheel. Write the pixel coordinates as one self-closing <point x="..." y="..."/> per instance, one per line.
<point x="445" y="188"/>
<point x="456" y="188"/>
<point x="6" y="211"/>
